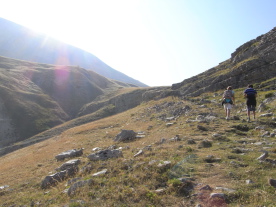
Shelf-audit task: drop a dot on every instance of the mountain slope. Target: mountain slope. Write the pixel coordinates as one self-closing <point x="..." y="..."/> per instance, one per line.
<point x="253" y="62"/>
<point x="188" y="152"/>
<point x="21" y="43"/>
<point x="35" y="97"/>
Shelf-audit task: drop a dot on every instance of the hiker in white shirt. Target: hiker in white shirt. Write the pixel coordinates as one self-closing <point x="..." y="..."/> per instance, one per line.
<point x="228" y="101"/>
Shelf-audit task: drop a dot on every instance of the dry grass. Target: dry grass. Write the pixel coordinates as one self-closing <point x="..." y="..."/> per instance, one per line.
<point x="131" y="181"/>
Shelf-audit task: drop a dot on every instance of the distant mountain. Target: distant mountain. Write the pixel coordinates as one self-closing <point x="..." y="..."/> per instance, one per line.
<point x="22" y="43"/>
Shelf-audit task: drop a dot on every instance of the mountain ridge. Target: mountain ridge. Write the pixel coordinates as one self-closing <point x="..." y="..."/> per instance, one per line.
<point x="19" y="42"/>
<point x="254" y="61"/>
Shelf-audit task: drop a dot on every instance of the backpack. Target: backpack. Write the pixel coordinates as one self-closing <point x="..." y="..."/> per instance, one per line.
<point x="227" y="94"/>
<point x="250" y="95"/>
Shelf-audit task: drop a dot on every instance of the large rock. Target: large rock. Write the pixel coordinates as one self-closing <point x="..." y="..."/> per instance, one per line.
<point x="105" y="154"/>
<point x="52" y="180"/>
<point x="69" y="154"/>
<point x="69" y="164"/>
<point x="125" y="135"/>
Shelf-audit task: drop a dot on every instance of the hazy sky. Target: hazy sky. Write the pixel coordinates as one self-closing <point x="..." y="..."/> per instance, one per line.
<point x="158" y="42"/>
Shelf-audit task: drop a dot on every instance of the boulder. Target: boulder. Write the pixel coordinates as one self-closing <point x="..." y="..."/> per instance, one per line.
<point x="52" y="180"/>
<point x="69" y="154"/>
<point x="105" y="154"/>
<point x="125" y="135"/>
<point x="69" y="164"/>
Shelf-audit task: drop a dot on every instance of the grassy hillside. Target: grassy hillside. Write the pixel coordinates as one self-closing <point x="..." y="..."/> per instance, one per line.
<point x="192" y="134"/>
<point x="35" y="97"/>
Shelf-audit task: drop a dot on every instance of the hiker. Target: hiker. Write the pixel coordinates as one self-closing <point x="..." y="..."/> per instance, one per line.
<point x="228" y="101"/>
<point x="250" y="93"/>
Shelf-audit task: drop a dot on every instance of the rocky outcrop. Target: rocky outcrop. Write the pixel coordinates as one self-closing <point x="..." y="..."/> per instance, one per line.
<point x="253" y="62"/>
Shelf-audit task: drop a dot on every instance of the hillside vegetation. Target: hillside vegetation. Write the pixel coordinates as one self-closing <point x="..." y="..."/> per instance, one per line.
<point x="187" y="145"/>
<point x="180" y="150"/>
<point x="36" y="97"/>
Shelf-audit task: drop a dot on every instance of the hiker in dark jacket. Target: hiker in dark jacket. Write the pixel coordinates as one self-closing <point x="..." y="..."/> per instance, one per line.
<point x="250" y="93"/>
<point x="228" y="101"/>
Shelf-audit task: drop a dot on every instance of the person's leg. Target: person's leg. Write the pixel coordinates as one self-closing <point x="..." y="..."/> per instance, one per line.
<point x="248" y="113"/>
<point x="249" y="105"/>
<point x="254" y="108"/>
<point x="253" y="111"/>
<point x="228" y="106"/>
<point x="225" y="108"/>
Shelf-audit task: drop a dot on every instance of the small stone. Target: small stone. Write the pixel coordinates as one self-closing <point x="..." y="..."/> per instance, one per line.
<point x="96" y="149"/>
<point x="205" y="144"/>
<point x="160" y="190"/>
<point x="169" y="124"/>
<point x="266" y="115"/>
<point x="191" y="141"/>
<point x="164" y="164"/>
<point x="217" y="195"/>
<point x="138" y="153"/>
<point x="104" y="171"/>
<point x="272" y="182"/>
<point x="225" y="189"/>
<point x="4" y="186"/>
<point x="263" y="156"/>
<point x="206" y="187"/>
<point x="202" y="128"/>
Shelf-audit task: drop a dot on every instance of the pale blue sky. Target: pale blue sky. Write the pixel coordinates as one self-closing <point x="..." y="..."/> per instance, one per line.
<point x="158" y="42"/>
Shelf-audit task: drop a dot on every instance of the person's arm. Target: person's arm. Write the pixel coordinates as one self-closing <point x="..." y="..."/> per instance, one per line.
<point x="244" y="94"/>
